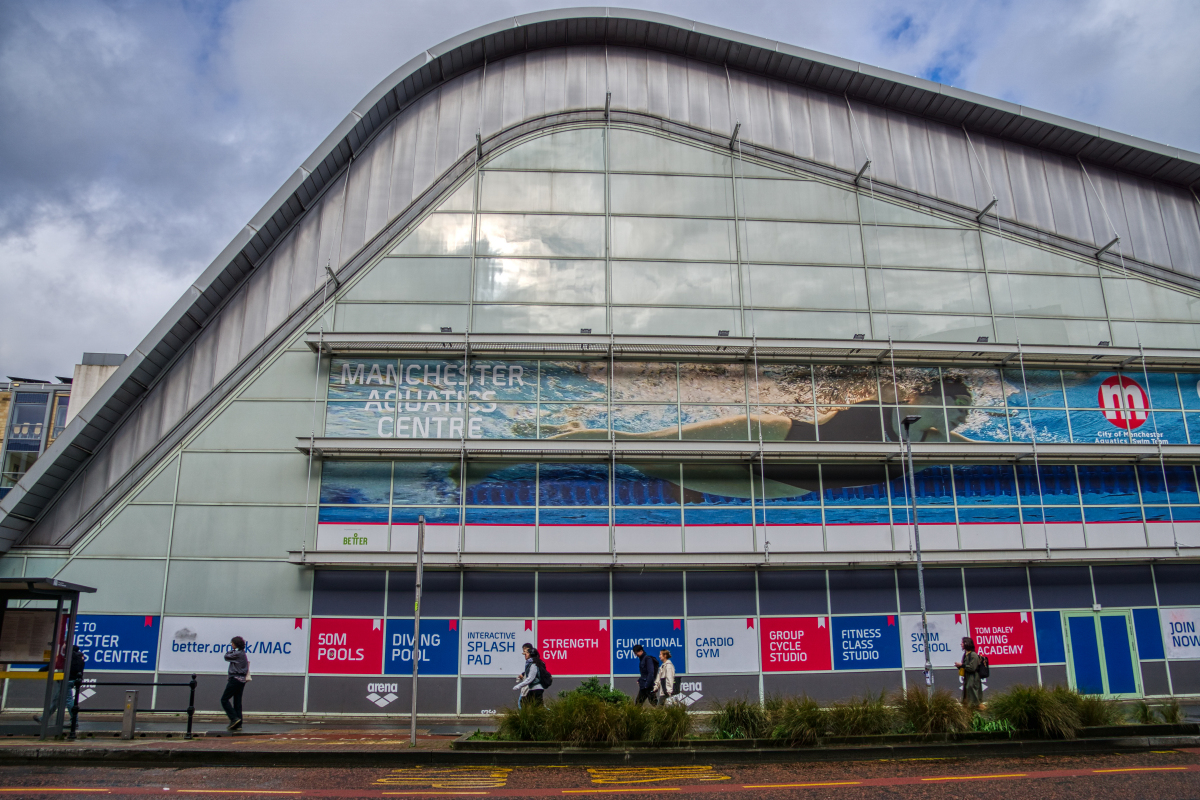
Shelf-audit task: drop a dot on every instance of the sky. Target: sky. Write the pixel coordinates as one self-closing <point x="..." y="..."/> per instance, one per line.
<point x="137" y="138"/>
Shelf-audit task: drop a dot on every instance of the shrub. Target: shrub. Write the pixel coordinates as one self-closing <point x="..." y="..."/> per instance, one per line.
<point x="798" y="720"/>
<point x="592" y="687"/>
<point x="940" y="712"/>
<point x="586" y="718"/>
<point x="1170" y="712"/>
<point x="670" y="723"/>
<point x="982" y="724"/>
<point x="525" y="724"/>
<point x="863" y="716"/>
<point x="1037" y="709"/>
<point x="739" y="719"/>
<point x="1090" y="708"/>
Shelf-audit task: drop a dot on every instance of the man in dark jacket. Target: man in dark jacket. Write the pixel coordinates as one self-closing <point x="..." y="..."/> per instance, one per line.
<point x="239" y="673"/>
<point x="647" y="673"/>
<point x="74" y="679"/>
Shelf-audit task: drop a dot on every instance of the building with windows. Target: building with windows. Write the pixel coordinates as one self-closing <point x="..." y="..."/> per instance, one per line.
<point x="630" y="310"/>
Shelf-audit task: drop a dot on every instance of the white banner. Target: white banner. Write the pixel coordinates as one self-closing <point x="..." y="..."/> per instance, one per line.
<point x="493" y="646"/>
<point x="367" y="537"/>
<point x="946" y="632"/>
<point x="722" y="645"/>
<point x="198" y="644"/>
<point x="1179" y="632"/>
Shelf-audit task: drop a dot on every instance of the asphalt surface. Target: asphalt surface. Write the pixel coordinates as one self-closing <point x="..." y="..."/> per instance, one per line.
<point x="1162" y="775"/>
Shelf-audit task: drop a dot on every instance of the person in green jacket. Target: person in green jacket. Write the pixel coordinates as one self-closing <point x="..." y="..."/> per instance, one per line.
<point x="969" y="669"/>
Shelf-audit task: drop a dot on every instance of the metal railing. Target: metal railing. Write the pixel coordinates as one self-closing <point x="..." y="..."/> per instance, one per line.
<point x="190" y="710"/>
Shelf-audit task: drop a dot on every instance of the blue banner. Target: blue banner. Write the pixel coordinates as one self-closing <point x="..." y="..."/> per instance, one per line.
<point x="439" y="647"/>
<point x="653" y="635"/>
<point x="866" y="642"/>
<point x="117" y="641"/>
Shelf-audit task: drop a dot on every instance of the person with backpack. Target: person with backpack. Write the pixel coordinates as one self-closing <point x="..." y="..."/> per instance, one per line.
<point x="647" y="676"/>
<point x="239" y="673"/>
<point x="535" y="679"/>
<point x="664" y="684"/>
<point x="973" y="669"/>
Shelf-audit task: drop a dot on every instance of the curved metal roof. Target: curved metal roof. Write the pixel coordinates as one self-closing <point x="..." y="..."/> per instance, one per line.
<point x="496" y="41"/>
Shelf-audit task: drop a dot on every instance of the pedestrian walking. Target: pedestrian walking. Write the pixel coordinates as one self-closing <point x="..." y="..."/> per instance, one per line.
<point x="239" y="673"/>
<point x="74" y="679"/>
<point x="647" y="675"/>
<point x="968" y="668"/>
<point x="664" y="684"/>
<point x="530" y="681"/>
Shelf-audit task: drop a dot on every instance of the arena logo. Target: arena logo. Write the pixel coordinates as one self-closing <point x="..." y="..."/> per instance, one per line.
<point x="690" y="692"/>
<point x="1124" y="402"/>
<point x="388" y="697"/>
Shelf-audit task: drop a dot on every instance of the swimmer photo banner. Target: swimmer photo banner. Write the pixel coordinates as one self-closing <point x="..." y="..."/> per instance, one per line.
<point x="117" y="641"/>
<point x="795" y="644"/>
<point x="946" y="632"/>
<point x="438" y="651"/>
<point x="653" y="635"/>
<point x="1179" y="627"/>
<point x="346" y="647"/>
<point x="198" y="644"/>
<point x="575" y="646"/>
<point x="866" y="642"/>
<point x="718" y="646"/>
<point x="1005" y="637"/>
<point x="493" y="646"/>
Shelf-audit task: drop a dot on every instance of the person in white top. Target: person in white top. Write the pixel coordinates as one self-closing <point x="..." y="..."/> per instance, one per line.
<point x="529" y="683"/>
<point x="664" y="684"/>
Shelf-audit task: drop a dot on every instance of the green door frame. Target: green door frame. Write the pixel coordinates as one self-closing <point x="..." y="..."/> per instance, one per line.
<point x="1133" y="653"/>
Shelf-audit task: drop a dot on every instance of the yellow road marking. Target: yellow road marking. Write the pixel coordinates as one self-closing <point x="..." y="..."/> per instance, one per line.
<point x="432" y="792"/>
<point x="232" y="791"/>
<point x="448" y="777"/>
<point x="613" y="775"/>
<point x="976" y="777"/>
<point x="795" y="785"/>
<point x="37" y="789"/>
<point x="1138" y="769"/>
<point x="611" y="791"/>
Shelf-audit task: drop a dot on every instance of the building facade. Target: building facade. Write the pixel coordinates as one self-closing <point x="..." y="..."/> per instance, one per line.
<point x="631" y="311"/>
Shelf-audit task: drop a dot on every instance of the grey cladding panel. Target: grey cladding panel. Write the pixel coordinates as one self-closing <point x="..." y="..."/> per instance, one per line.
<point x="1031" y="195"/>
<point x="1145" y="220"/>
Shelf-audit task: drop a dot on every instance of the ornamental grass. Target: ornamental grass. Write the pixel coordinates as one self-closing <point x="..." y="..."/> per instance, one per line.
<point x="925" y="713"/>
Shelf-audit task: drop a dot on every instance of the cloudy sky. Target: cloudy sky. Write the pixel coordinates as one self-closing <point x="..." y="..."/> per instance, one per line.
<point x="136" y="138"/>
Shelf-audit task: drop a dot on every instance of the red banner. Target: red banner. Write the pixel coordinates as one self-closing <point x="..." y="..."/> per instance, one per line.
<point x="795" y="644"/>
<point x="1005" y="637"/>
<point x="575" y="646"/>
<point x="346" y="647"/>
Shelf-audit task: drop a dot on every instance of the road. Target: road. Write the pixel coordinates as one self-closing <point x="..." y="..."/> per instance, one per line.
<point x="1164" y="775"/>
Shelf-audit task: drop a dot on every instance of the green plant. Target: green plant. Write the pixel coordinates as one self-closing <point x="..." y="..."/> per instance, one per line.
<point x="592" y="687"/>
<point x="524" y="724"/>
<point x="586" y="718"/>
<point x="1091" y="709"/>
<point x="1037" y="709"/>
<point x="940" y="712"/>
<point x="798" y="720"/>
<point x="739" y="719"/>
<point x="1142" y="713"/>
<point x="868" y="715"/>
<point x="667" y="723"/>
<point x="1170" y="712"/>
<point x="981" y="724"/>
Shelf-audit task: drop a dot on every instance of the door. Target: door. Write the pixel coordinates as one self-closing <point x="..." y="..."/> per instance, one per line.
<point x="1101" y="654"/>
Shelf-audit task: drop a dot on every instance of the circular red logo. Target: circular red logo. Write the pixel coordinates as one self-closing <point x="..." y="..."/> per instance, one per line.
<point x="1123" y="402"/>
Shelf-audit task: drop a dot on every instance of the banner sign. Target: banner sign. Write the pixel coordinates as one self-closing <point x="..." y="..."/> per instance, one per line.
<point x="27" y="635"/>
<point x="493" y="646"/>
<point x="795" y="644"/>
<point x="117" y="641"/>
<point x="866" y="642"/>
<point x="1179" y="632"/>
<point x="575" y="646"/>
<point x="346" y="646"/>
<point x="653" y="635"/>
<point x="198" y="644"/>
<point x="718" y="646"/>
<point x="1005" y="637"/>
<point x="439" y="647"/>
<point x="946" y="632"/>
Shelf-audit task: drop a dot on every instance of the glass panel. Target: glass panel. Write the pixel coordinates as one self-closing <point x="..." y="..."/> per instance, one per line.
<point x="572" y="421"/>
<point x="1181" y="483"/>
<point x="361" y="377"/>
<point x="393" y="317"/>
<point x="671" y="195"/>
<point x="651" y="381"/>
<point x="922" y="247"/>
<point x="1005" y="255"/>
<point x="802" y="243"/>
<point x="807" y="324"/>
<point x="1048" y="295"/>
<point x="1083" y="333"/>
<point x="665" y="283"/>
<point x="500" y="484"/>
<point x="646" y="421"/>
<point x="1047" y="485"/>
<point x="712" y="383"/>
<point x="426" y="483"/>
<point x="1150" y="301"/>
<point x="579" y="149"/>
<point x="714" y="423"/>
<point x="438" y="235"/>
<point x="573" y="484"/>
<point x="463" y="199"/>
<point x="836" y="385"/>
<point x="879" y="212"/>
<point x="677" y="321"/>
<point x="357" y="419"/>
<point x="574" y="380"/>
<point x="656" y="237"/>
<point x="652" y="484"/>
<point x="795" y="200"/>
<point x="356" y="482"/>
<point x="540" y="235"/>
<point x="540" y="319"/>
<point x="987" y="484"/>
<point x="539" y="281"/>
<point x="856" y="423"/>
<point x="1038" y="388"/>
<point x="1044" y="426"/>
<point x="932" y="328"/>
<point x="567" y="192"/>
<point x="415" y="279"/>
<point x="783" y="423"/>
<point x="786" y="384"/>
<point x="924" y="290"/>
<point x="931" y="427"/>
<point x="1108" y="485"/>
<point x="772" y="286"/>
<point x="633" y="151"/>
<point x="1156" y="334"/>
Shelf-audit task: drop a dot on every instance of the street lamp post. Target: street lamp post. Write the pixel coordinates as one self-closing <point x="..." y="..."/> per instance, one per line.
<point x="912" y="499"/>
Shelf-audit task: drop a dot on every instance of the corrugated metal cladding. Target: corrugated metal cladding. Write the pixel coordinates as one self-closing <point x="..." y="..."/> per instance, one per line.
<point x="1157" y="222"/>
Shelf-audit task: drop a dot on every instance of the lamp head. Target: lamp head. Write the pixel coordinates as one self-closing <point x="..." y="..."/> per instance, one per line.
<point x="909" y="420"/>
